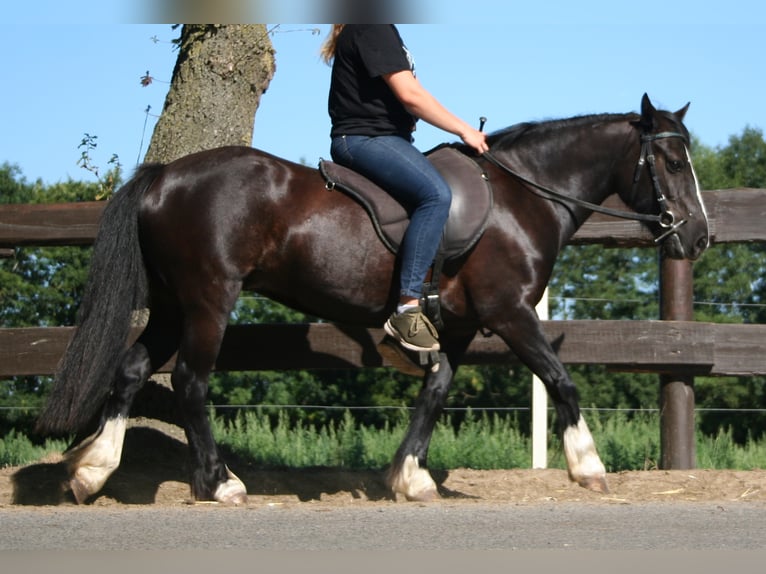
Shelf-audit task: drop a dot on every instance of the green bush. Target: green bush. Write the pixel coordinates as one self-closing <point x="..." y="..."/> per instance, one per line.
<point x="486" y="442"/>
<point x="16" y="449"/>
<point x="722" y="451"/>
<point x="624" y="441"/>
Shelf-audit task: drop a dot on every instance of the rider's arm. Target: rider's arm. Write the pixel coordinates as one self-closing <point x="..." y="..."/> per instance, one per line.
<point x="420" y="103"/>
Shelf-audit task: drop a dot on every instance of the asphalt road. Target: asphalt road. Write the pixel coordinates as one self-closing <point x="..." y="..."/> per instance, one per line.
<point x="623" y="527"/>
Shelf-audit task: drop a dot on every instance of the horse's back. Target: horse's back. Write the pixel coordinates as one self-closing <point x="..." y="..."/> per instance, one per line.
<point x="244" y="215"/>
<point x="223" y="187"/>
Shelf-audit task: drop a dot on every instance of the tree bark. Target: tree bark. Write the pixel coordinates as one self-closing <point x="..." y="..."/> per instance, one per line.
<point x="219" y="77"/>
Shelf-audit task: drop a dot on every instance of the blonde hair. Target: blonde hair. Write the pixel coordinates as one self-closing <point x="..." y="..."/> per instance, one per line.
<point x="327" y="51"/>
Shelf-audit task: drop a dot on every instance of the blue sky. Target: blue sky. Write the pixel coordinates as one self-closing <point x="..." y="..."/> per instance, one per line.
<point x="509" y="63"/>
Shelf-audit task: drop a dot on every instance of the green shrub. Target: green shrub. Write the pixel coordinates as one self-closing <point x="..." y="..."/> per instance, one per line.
<point x="627" y="442"/>
<point x="480" y="442"/>
<point x="624" y="441"/>
<point x="16" y="449"/>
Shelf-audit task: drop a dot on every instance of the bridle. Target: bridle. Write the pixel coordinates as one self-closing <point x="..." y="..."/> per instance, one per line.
<point x="665" y="218"/>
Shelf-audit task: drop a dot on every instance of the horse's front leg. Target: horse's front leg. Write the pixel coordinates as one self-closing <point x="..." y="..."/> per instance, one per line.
<point x="583" y="462"/>
<point x="408" y="474"/>
<point x="525" y="336"/>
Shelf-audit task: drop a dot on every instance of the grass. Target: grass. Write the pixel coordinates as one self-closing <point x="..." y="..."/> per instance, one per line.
<point x="625" y="442"/>
<point x="17" y="450"/>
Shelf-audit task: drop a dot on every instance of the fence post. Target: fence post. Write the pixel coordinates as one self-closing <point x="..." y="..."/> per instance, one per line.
<point x="677" y="428"/>
<point x="540" y="405"/>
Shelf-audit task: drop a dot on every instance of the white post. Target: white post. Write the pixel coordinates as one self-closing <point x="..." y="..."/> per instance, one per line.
<point x="540" y="405"/>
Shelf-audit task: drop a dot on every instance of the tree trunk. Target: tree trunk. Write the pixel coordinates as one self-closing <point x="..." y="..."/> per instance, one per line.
<point x="220" y="74"/>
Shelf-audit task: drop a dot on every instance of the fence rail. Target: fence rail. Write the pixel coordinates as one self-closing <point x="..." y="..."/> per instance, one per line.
<point x="664" y="347"/>
<point x="736" y="215"/>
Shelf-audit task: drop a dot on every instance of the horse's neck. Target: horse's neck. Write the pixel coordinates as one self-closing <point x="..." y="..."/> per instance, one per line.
<point x="583" y="167"/>
<point x="575" y="166"/>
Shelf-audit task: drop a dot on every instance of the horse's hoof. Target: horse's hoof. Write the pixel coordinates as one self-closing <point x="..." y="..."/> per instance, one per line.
<point x="79" y="490"/>
<point x="425" y="496"/>
<point x="412" y="482"/>
<point x="232" y="491"/>
<point x="594" y="483"/>
<point x="236" y="499"/>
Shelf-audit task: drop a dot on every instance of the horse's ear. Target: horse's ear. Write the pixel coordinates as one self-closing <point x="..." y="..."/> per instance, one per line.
<point x="682" y="112"/>
<point x="647" y="113"/>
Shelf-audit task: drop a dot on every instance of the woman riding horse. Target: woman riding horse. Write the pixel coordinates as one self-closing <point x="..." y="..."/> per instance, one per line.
<point x="186" y="238"/>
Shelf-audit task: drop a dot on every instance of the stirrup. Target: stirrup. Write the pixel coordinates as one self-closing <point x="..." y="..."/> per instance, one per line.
<point x="415" y="363"/>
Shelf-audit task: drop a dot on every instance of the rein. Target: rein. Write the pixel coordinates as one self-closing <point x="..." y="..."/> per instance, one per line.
<point x="665" y="218"/>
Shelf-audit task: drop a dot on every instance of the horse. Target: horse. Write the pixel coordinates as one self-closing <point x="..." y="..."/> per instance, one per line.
<point x="185" y="238"/>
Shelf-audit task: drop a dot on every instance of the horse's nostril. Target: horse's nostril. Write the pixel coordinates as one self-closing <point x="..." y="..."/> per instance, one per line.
<point x="702" y="244"/>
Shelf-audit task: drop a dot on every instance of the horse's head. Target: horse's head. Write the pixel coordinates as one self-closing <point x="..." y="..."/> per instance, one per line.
<point x="664" y="182"/>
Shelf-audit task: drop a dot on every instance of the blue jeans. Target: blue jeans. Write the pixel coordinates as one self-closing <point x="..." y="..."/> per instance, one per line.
<point x="403" y="171"/>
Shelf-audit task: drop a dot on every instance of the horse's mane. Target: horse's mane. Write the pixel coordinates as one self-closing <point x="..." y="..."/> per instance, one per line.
<point x="506" y="137"/>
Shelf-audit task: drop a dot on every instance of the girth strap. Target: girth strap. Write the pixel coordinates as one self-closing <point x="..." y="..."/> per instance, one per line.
<point x="430" y="303"/>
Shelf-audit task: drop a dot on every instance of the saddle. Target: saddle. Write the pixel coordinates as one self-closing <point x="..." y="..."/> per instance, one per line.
<point x="469" y="211"/>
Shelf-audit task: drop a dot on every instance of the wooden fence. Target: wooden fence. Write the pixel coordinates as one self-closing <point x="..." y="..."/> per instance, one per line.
<point x="675" y="347"/>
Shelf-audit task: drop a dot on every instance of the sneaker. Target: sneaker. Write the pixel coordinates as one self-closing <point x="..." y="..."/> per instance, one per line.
<point x="413" y="330"/>
<point x="400" y="358"/>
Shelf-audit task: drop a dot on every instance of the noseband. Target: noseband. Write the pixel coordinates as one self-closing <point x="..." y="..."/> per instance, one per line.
<point x="665" y="218"/>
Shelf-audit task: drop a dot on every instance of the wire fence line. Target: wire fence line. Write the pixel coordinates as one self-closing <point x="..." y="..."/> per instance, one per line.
<point x="411" y="408"/>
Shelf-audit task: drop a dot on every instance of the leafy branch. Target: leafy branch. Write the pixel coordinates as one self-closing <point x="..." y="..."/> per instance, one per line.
<point x="109" y="181"/>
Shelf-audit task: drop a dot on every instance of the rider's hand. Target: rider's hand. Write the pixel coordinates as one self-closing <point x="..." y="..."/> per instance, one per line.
<point x="475" y="139"/>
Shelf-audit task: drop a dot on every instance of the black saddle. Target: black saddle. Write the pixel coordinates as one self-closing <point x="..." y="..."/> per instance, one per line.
<point x="469" y="211"/>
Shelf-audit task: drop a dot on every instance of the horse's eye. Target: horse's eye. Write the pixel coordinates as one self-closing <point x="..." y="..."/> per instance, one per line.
<point x="674" y="166"/>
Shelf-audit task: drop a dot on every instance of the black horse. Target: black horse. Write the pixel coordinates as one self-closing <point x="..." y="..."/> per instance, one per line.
<point x="184" y="239"/>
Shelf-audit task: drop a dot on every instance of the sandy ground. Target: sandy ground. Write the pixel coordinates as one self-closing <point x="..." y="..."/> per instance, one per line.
<point x="154" y="471"/>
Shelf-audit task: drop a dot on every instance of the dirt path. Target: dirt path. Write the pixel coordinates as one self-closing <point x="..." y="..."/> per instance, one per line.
<point x="157" y="476"/>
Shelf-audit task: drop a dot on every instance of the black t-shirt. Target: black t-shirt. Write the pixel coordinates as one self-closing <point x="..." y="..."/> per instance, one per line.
<point x="360" y="102"/>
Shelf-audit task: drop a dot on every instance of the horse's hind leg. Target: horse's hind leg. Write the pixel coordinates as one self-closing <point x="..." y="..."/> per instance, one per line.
<point x="200" y="343"/>
<point x="95" y="457"/>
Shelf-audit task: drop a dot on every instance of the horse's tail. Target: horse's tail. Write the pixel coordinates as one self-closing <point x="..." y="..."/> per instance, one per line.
<point x="117" y="284"/>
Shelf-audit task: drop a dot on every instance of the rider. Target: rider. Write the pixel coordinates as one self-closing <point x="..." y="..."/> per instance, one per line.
<point x="374" y="102"/>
